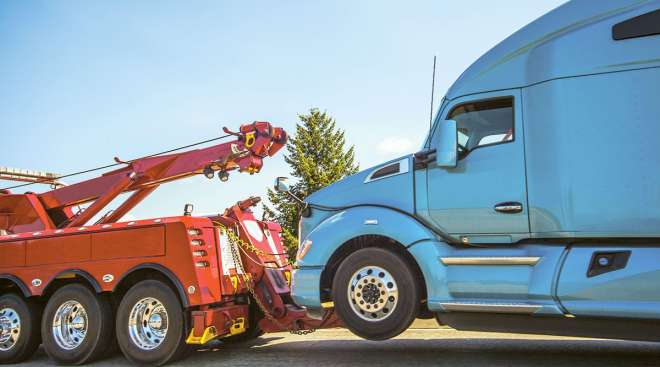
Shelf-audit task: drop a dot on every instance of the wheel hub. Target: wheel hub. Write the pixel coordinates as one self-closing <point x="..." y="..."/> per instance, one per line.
<point x="147" y="323"/>
<point x="155" y="321"/>
<point x="370" y="294"/>
<point x="10" y="328"/>
<point x="70" y="324"/>
<point x="373" y="293"/>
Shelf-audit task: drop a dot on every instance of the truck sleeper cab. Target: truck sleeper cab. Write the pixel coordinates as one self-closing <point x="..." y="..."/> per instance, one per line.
<point x="533" y="206"/>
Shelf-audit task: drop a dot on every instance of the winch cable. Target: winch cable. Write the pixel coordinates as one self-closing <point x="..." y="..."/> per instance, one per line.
<point x="46" y="181"/>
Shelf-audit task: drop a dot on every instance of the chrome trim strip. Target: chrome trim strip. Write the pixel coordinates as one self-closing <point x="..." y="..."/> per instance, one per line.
<point x="490" y="307"/>
<point x="500" y="260"/>
<point x="404" y="167"/>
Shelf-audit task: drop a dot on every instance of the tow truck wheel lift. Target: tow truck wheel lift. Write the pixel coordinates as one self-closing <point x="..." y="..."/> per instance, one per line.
<point x="158" y="286"/>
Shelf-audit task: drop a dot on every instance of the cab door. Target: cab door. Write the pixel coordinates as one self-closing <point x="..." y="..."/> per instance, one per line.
<point x="483" y="198"/>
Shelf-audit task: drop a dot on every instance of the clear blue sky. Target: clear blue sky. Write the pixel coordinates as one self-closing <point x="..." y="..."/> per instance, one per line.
<point x="84" y="81"/>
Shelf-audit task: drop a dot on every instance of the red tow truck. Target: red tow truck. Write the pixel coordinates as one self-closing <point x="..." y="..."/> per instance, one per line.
<point x="153" y="287"/>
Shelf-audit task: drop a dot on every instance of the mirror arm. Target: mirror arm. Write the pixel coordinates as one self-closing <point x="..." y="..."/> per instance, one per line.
<point x="294" y="197"/>
<point x="305" y="209"/>
<point x="424" y="157"/>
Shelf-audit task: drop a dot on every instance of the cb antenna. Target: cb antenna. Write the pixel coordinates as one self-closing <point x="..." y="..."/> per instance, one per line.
<point x="432" y="90"/>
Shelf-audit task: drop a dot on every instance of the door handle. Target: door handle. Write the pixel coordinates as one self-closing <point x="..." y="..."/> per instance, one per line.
<point x="509" y="207"/>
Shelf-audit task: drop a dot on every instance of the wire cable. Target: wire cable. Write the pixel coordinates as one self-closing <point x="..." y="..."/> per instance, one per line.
<point x="116" y="164"/>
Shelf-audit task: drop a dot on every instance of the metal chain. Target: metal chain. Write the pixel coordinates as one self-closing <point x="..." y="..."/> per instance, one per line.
<point x="235" y="240"/>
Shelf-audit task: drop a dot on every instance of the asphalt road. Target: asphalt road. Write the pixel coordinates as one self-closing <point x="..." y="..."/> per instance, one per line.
<point x="416" y="347"/>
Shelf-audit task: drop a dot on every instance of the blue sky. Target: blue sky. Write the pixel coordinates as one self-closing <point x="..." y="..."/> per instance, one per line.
<point x="84" y="81"/>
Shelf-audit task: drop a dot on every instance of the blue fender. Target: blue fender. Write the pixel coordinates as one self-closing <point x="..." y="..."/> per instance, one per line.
<point x="422" y="243"/>
<point x="347" y="224"/>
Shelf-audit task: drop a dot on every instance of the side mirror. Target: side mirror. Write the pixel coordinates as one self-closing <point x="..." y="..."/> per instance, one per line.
<point x="446" y="151"/>
<point x="281" y="184"/>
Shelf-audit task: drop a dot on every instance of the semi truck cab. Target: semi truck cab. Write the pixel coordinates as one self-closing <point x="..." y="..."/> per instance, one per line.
<point x="533" y="204"/>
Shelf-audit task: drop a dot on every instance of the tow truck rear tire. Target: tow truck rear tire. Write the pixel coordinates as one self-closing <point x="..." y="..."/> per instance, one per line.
<point x="375" y="293"/>
<point x="21" y="335"/>
<point x="77" y="325"/>
<point x="150" y="324"/>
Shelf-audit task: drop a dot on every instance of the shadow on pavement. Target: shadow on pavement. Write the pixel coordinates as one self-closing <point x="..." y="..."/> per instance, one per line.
<point x="455" y="352"/>
<point x="437" y="352"/>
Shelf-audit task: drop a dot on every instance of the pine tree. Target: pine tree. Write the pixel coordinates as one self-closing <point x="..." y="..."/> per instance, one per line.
<point x="317" y="157"/>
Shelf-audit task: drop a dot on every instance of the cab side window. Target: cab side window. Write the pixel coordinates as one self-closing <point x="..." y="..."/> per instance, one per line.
<point x="483" y="123"/>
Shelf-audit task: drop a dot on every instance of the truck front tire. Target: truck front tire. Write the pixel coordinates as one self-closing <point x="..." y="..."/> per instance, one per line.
<point x="20" y="335"/>
<point x="77" y="325"/>
<point x="150" y="324"/>
<point x="375" y="293"/>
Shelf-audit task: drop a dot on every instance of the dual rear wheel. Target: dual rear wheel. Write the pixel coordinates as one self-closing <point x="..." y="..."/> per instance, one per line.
<point x="77" y="325"/>
<point x="19" y="328"/>
<point x="150" y="324"/>
<point x="80" y="326"/>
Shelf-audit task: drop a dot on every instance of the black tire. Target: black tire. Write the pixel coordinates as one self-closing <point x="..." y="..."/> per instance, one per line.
<point x="253" y="330"/>
<point x="29" y="336"/>
<point x="172" y="346"/>
<point x="99" y="325"/>
<point x="389" y="323"/>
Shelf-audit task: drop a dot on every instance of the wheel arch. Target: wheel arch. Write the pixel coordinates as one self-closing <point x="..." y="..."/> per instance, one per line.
<point x="367" y="241"/>
<point x="147" y="271"/>
<point x="69" y="276"/>
<point x="12" y="281"/>
<point x="348" y="230"/>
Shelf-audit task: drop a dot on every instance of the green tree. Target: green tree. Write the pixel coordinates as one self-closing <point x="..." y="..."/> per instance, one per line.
<point x="318" y="157"/>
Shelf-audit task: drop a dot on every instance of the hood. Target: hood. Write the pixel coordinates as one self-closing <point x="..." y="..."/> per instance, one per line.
<point x="389" y="184"/>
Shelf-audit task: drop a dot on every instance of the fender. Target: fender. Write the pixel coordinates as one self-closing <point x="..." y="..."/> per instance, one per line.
<point x="90" y="279"/>
<point x="19" y="283"/>
<point x="166" y="272"/>
<point x="347" y="224"/>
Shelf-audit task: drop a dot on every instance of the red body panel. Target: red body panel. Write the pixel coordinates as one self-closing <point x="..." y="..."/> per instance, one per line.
<point x="114" y="249"/>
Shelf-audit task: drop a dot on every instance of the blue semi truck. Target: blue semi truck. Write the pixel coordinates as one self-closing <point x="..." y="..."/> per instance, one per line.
<point x="533" y="205"/>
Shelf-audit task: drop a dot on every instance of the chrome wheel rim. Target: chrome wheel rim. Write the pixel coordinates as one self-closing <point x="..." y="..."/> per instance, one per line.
<point x="373" y="293"/>
<point x="10" y="328"/>
<point x="70" y="325"/>
<point x="147" y="323"/>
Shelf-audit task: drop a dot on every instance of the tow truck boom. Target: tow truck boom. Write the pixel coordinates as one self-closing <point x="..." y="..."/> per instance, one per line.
<point x="53" y="209"/>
